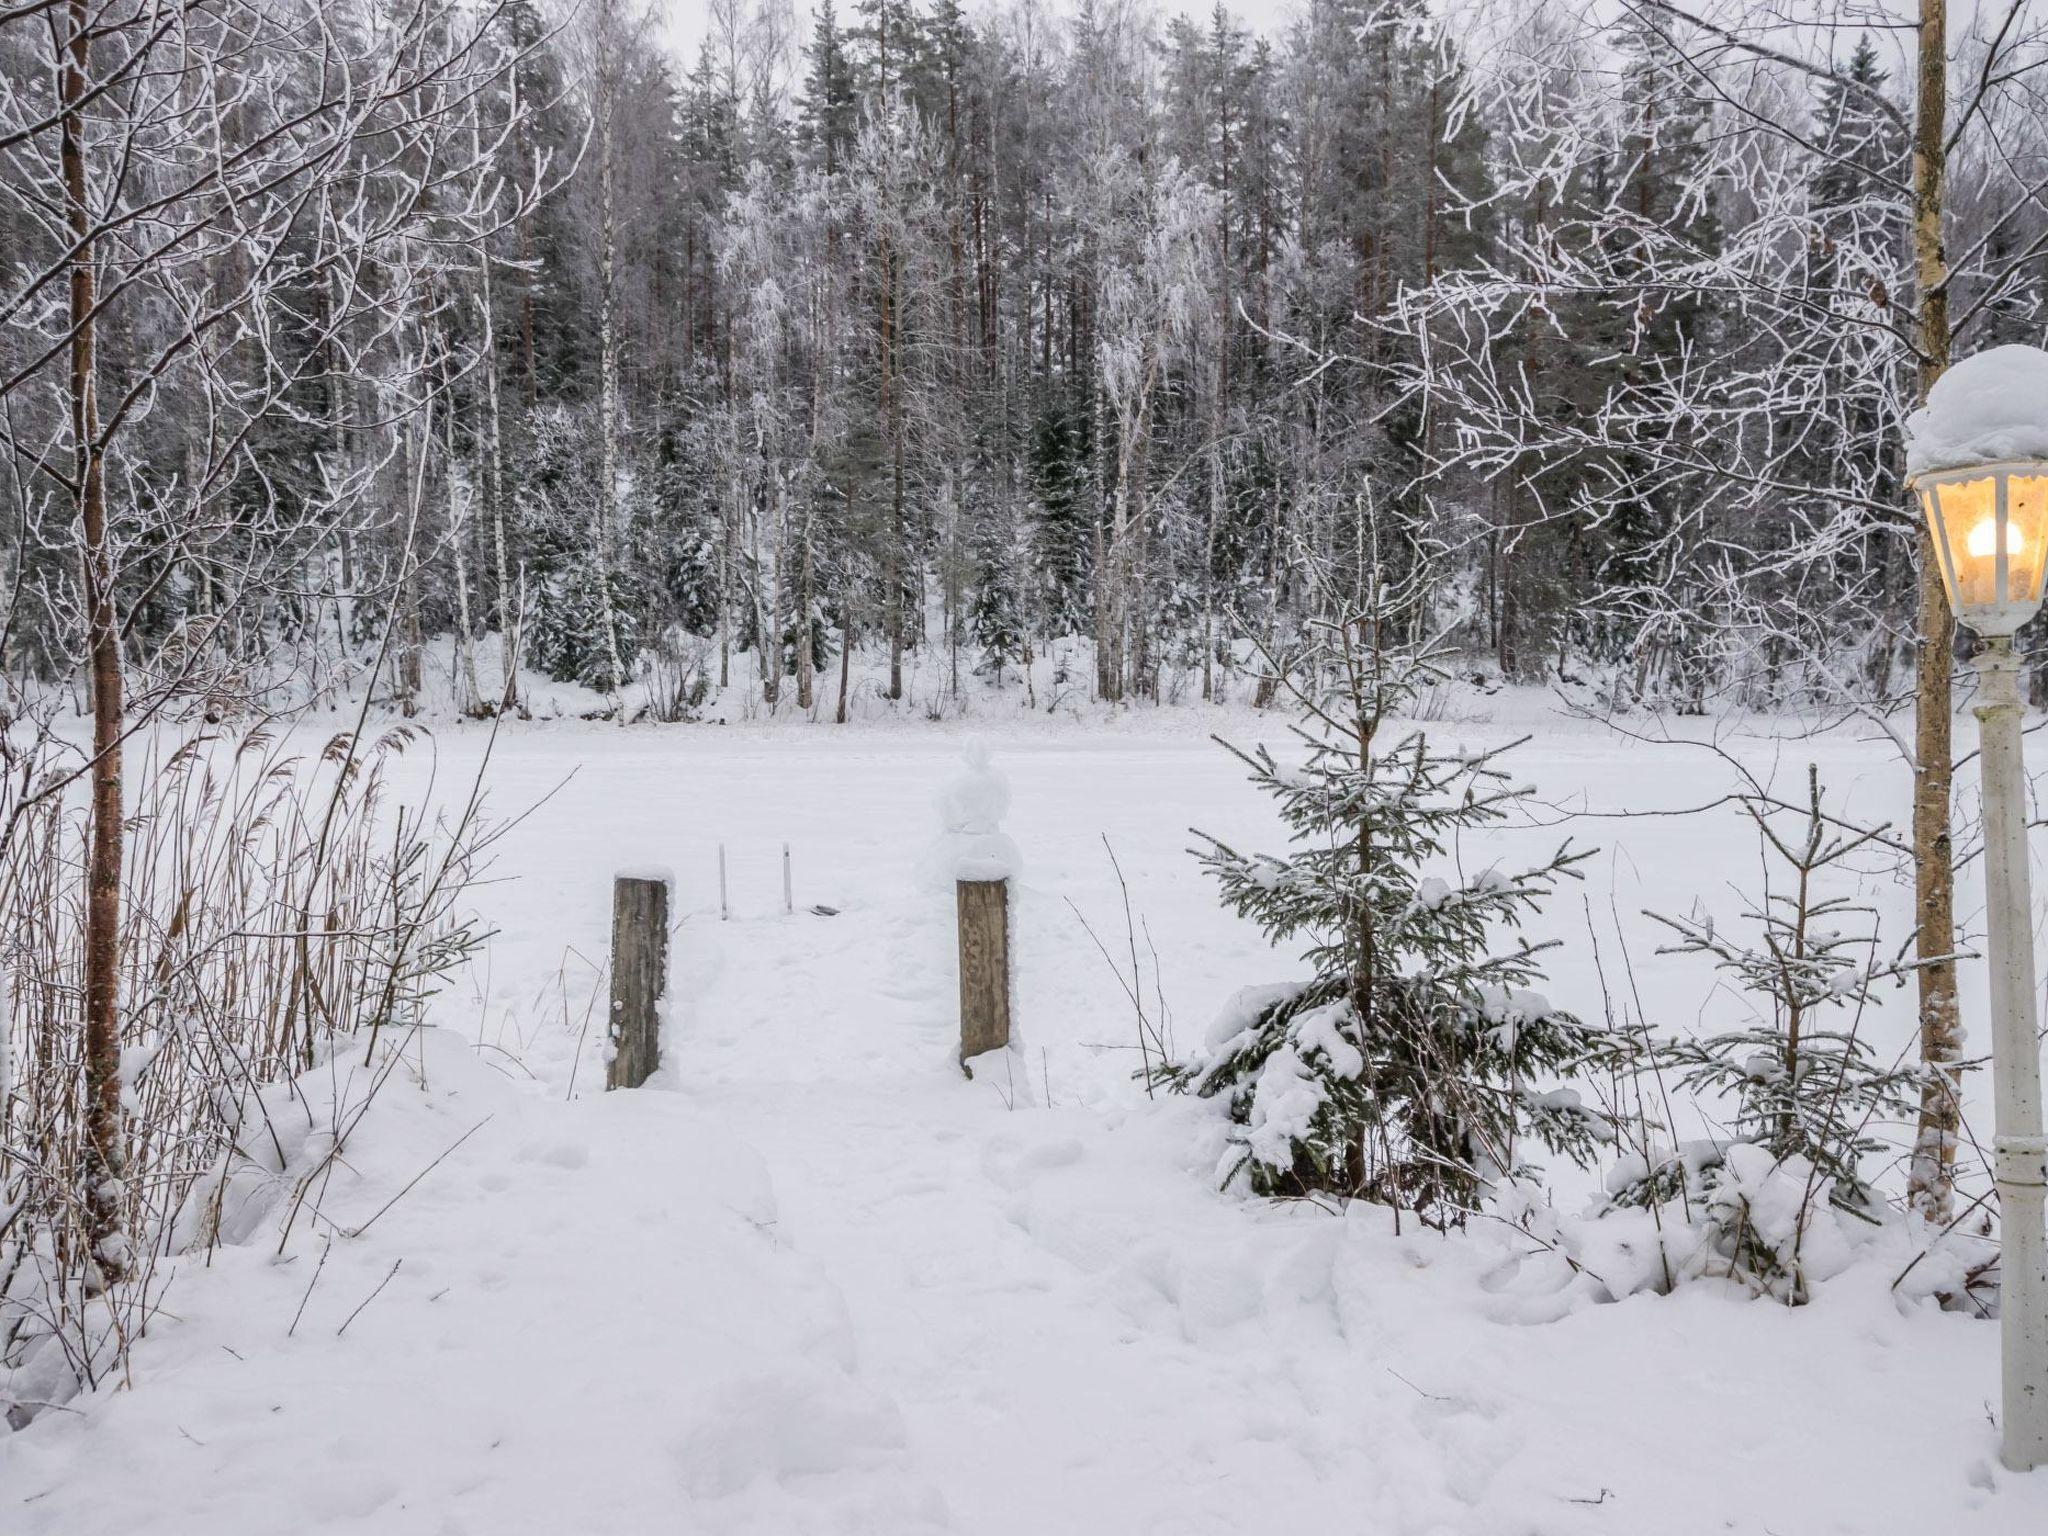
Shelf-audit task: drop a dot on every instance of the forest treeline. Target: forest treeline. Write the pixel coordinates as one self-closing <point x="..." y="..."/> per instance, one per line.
<point x="966" y="334"/>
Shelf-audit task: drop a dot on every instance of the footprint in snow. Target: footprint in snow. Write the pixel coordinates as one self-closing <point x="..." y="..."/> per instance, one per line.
<point x="786" y="1425"/>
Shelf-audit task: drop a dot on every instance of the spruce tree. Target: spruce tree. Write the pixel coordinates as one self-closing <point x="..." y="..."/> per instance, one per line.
<point x="1061" y="446"/>
<point x="1412" y="1065"/>
<point x="995" y="615"/>
<point x="1808" y="1090"/>
<point x="828" y="108"/>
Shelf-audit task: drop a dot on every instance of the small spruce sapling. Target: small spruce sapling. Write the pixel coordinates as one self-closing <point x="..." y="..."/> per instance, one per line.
<point x="1411" y="1065"/>
<point x="1807" y="1088"/>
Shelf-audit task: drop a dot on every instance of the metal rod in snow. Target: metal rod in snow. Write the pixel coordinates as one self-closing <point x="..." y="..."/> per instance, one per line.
<point x="788" y="899"/>
<point x="724" y="911"/>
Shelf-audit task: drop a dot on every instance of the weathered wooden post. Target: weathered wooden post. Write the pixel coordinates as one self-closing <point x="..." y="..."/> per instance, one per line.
<point x="984" y="907"/>
<point x="639" y="978"/>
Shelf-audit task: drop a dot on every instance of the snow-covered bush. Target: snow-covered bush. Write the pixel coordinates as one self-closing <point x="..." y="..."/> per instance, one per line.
<point x="1768" y="1198"/>
<point x="1412" y="1064"/>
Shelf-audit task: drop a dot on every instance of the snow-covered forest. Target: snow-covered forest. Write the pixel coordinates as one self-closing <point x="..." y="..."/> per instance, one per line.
<point x="957" y="335"/>
<point x="1027" y="766"/>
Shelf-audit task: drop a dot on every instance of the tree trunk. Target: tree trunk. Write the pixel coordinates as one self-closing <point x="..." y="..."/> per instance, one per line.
<point x="413" y="477"/>
<point x="892" y="560"/>
<point x="1137" y="587"/>
<point x="494" y="453"/>
<point x="608" y="349"/>
<point x="471" y="699"/>
<point x="1931" y="1180"/>
<point x="768" y="598"/>
<point x="845" y="666"/>
<point x="897" y="577"/>
<point x="101" y="1169"/>
<point x="1106" y="671"/>
<point x="806" y="663"/>
<point x="726" y="535"/>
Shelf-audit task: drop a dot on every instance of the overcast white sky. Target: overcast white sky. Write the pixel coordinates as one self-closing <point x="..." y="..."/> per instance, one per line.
<point x="688" y="19"/>
<point x="1821" y="23"/>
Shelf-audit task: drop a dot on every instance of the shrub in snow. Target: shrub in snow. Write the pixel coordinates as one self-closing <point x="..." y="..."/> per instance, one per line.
<point x="1411" y="1065"/>
<point x="1808" y="1093"/>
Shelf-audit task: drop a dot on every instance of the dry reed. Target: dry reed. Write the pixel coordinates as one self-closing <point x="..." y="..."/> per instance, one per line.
<point x="277" y="910"/>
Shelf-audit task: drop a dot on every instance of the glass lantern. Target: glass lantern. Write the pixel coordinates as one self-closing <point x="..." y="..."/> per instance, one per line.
<point x="1990" y="527"/>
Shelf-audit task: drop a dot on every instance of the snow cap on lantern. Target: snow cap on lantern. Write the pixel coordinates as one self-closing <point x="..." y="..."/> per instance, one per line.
<point x="1977" y="455"/>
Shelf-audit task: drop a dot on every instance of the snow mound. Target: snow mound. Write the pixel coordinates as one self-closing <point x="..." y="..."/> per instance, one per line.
<point x="1989" y="407"/>
<point x="971" y="843"/>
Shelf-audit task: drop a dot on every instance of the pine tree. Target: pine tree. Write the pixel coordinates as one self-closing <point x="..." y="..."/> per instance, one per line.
<point x="995" y="616"/>
<point x="828" y="108"/>
<point x="888" y="47"/>
<point x="1862" y="148"/>
<point x="1060" y="551"/>
<point x="1411" y="1066"/>
<point x="1807" y="1090"/>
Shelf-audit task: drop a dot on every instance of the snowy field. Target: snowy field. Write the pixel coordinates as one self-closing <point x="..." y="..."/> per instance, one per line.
<point x="810" y="1280"/>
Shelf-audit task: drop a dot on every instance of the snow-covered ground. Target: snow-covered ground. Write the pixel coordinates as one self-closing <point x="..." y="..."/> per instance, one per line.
<point x="812" y="1280"/>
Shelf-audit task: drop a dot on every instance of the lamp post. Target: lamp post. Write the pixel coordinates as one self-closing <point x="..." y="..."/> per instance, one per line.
<point x="1977" y="456"/>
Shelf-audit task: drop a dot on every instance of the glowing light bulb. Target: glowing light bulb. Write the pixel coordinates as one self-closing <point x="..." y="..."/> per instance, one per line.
<point x="1983" y="539"/>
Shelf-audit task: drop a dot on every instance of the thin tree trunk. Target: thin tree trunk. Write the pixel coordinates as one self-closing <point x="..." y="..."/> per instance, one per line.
<point x="531" y="162"/>
<point x="409" y="640"/>
<point x="845" y="665"/>
<point x="806" y="663"/>
<point x="608" y="347"/>
<point x="494" y="450"/>
<point x="471" y="700"/>
<point x="1105" y="673"/>
<point x="892" y="563"/>
<point x="1931" y="1179"/>
<point x="726" y="536"/>
<point x="338" y="563"/>
<point x="954" y="595"/>
<point x="898" y="536"/>
<point x="104" y="1151"/>
<point x="1137" y="589"/>
<point x="768" y="601"/>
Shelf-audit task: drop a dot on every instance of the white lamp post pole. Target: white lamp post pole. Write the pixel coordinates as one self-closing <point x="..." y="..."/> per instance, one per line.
<point x="1977" y="458"/>
<point x="2019" y="1153"/>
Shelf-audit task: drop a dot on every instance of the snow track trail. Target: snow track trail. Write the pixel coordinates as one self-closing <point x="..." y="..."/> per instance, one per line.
<point x="812" y="1280"/>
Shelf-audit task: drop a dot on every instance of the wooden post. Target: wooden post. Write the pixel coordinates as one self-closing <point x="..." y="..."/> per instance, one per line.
<point x="639" y="977"/>
<point x="984" y="907"/>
